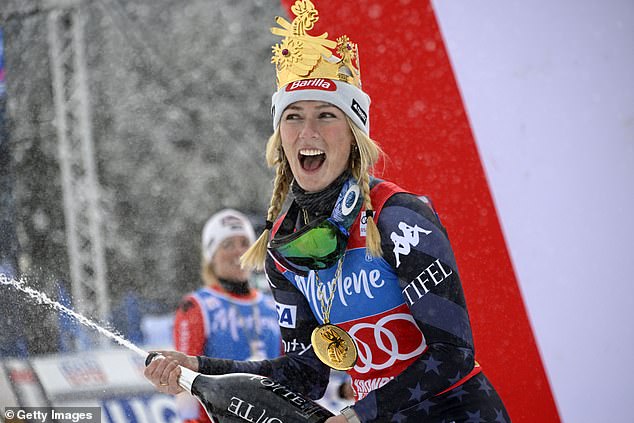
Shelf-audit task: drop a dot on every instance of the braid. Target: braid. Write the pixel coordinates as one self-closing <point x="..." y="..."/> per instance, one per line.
<point x="361" y="164"/>
<point x="255" y="256"/>
<point x="280" y="191"/>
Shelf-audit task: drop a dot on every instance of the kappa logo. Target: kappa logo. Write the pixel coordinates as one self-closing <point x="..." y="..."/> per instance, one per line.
<point x="312" y="84"/>
<point x="286" y="315"/>
<point x="410" y="238"/>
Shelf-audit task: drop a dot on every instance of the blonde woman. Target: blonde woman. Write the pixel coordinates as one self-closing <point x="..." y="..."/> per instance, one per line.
<point x="363" y="273"/>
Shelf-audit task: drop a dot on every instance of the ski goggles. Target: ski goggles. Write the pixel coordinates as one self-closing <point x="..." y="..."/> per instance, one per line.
<point x="319" y="244"/>
<point x="316" y="246"/>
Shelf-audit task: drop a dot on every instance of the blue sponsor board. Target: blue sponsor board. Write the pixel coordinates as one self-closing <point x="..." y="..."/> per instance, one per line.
<point x="156" y="408"/>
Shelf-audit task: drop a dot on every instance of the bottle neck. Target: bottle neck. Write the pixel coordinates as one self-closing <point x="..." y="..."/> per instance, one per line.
<point x="186" y="378"/>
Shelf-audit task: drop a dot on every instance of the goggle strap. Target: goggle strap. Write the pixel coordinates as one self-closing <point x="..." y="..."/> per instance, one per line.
<point x="341" y="228"/>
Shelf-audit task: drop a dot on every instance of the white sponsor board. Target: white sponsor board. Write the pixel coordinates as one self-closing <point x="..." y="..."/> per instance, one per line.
<point x="110" y="379"/>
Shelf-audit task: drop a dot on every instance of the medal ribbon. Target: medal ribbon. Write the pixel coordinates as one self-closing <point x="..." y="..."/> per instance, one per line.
<point x="326" y="305"/>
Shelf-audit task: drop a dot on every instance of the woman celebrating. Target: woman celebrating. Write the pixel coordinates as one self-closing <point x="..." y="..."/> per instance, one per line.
<point x="362" y="272"/>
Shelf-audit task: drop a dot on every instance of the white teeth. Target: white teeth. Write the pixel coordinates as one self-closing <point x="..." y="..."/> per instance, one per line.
<point x="310" y="152"/>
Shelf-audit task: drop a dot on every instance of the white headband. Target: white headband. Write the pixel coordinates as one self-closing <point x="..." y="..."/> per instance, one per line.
<point x="351" y="100"/>
<point x="222" y="225"/>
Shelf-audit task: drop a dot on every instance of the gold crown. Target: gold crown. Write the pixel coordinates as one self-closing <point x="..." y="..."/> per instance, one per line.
<point x="303" y="56"/>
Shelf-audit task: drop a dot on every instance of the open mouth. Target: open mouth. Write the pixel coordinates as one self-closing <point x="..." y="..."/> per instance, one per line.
<point x="311" y="159"/>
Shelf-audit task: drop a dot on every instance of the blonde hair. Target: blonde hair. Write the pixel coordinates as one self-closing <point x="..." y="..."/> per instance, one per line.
<point x="362" y="160"/>
<point x="207" y="273"/>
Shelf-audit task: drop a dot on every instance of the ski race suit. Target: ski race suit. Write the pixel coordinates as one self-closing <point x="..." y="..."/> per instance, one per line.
<point x="214" y="323"/>
<point x="406" y="312"/>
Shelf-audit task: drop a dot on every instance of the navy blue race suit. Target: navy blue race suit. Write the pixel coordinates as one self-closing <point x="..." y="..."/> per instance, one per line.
<point x="406" y="312"/>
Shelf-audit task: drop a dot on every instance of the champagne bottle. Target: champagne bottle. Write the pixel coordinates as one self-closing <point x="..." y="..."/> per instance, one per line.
<point x="244" y="397"/>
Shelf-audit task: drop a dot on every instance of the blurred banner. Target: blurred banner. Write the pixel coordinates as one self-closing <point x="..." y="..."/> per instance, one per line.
<point x="110" y="379"/>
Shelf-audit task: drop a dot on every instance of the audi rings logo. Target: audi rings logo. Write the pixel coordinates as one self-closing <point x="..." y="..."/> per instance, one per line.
<point x="384" y="341"/>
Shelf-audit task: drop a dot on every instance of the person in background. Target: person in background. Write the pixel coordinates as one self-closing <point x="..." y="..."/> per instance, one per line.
<point x="225" y="317"/>
<point x="362" y="271"/>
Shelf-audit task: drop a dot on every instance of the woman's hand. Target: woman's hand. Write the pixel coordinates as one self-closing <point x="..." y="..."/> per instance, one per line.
<point x="164" y="372"/>
<point x="337" y="419"/>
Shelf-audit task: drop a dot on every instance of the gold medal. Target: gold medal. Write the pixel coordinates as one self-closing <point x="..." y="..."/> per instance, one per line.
<point x="334" y="347"/>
